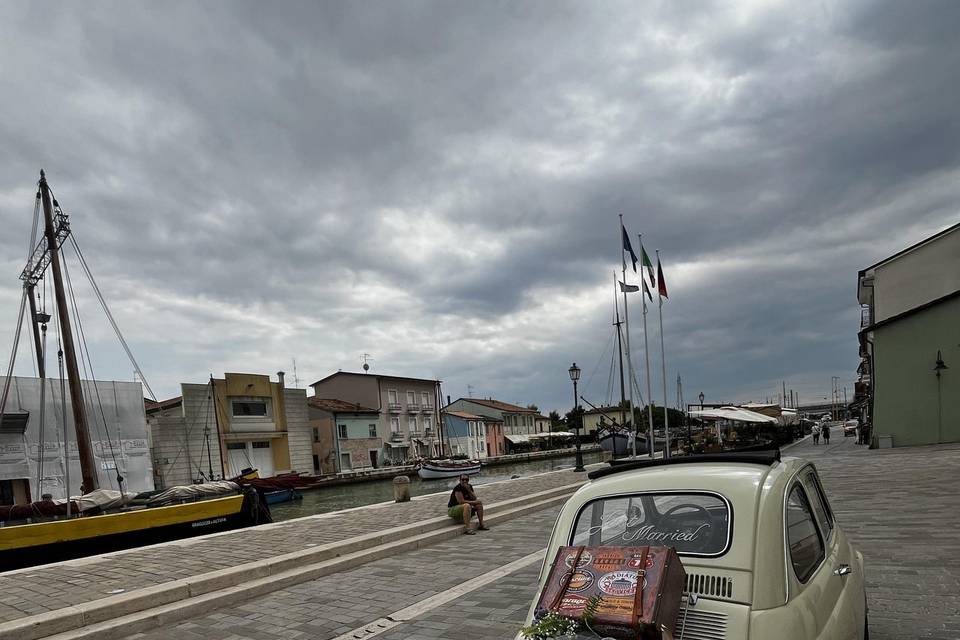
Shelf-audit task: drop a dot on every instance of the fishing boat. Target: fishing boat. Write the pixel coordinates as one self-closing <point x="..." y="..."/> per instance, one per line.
<point x="95" y="520"/>
<point x="434" y="469"/>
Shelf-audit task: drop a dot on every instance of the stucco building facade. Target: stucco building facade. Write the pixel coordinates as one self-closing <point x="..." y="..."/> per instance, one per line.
<point x="909" y="376"/>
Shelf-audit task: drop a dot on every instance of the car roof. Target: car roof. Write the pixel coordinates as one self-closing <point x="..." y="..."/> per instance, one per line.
<point x="764" y="458"/>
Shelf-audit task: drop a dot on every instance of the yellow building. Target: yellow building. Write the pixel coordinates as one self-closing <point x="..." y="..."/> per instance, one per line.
<point x="221" y="428"/>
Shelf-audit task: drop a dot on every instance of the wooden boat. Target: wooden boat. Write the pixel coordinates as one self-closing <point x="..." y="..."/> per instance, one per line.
<point x="49" y="531"/>
<point x="434" y="469"/>
<point x="282" y="495"/>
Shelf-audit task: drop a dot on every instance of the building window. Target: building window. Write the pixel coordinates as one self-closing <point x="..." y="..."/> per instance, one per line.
<point x="411" y="398"/>
<point x="342" y="431"/>
<point x="316" y="463"/>
<point x="316" y="435"/>
<point x="425" y="399"/>
<point x="392" y="396"/>
<point x="262" y="444"/>
<point x="373" y="430"/>
<point x="394" y="424"/>
<point x="236" y="446"/>
<point x="412" y="424"/>
<point x="249" y="408"/>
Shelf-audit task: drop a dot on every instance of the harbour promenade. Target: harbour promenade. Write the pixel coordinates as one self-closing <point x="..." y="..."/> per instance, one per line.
<point x="195" y="574"/>
<point x="895" y="504"/>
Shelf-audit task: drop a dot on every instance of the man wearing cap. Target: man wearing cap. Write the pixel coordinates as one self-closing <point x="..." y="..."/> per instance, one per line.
<point x="463" y="504"/>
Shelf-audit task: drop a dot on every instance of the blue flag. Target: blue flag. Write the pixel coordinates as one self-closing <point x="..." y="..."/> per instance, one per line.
<point x="628" y="247"/>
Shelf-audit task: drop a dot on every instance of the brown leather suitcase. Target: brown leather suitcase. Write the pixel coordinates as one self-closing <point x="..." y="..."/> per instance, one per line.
<point x="639" y="589"/>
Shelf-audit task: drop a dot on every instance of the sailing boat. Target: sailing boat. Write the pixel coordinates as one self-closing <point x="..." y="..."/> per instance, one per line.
<point x="99" y="520"/>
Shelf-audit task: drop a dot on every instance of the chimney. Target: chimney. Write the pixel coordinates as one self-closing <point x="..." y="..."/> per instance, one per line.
<point x="280" y="375"/>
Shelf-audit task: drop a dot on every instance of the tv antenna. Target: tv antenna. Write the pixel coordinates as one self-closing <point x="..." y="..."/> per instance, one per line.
<point x="469" y="390"/>
<point x="364" y="357"/>
<point x="296" y="379"/>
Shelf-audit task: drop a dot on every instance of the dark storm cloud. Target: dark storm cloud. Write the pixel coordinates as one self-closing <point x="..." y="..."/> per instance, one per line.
<point x="438" y="183"/>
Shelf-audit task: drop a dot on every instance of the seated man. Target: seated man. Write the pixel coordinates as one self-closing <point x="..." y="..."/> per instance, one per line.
<point x="463" y="503"/>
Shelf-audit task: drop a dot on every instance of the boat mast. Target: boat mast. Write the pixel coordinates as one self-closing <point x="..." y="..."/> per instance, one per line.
<point x="88" y="469"/>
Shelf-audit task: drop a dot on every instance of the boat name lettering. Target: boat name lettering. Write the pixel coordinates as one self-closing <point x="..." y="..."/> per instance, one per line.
<point x="206" y="523"/>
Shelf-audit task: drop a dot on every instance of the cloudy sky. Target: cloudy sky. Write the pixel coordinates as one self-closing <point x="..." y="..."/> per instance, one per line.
<point x="438" y="184"/>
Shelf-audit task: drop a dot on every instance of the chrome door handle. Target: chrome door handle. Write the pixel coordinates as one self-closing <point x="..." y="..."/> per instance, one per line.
<point x="842" y="570"/>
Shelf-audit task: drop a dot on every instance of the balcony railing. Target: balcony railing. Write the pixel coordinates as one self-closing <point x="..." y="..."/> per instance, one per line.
<point x="396" y="436"/>
<point x="426" y="408"/>
<point x="413" y="407"/>
<point x="416" y="434"/>
<point x="394" y="407"/>
<point x="866" y="317"/>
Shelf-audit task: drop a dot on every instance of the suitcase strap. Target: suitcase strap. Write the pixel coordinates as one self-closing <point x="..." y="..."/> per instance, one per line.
<point x="638" y="594"/>
<point x="566" y="581"/>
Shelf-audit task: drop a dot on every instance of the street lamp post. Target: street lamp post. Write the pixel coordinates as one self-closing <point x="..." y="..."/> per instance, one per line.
<point x="701" y="413"/>
<point x="574" y="372"/>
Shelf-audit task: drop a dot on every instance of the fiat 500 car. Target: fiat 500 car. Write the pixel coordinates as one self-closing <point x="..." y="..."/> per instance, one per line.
<point x="764" y="556"/>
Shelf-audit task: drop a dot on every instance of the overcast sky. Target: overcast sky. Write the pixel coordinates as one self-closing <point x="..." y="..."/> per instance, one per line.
<point x="438" y="184"/>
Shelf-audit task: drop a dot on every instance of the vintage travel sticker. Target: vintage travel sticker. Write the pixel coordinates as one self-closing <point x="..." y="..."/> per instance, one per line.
<point x="573" y="604"/>
<point x="585" y="558"/>
<point x="618" y="583"/>
<point x="580" y="580"/>
<point x="616" y="607"/>
<point x="609" y="562"/>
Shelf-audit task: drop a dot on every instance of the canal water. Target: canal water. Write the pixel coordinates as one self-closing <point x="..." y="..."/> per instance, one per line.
<point x="345" y="496"/>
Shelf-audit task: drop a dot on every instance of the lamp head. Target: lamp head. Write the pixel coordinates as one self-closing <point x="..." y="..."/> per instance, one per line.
<point x="941" y="365"/>
<point x="574" y="372"/>
<point x="701" y="397"/>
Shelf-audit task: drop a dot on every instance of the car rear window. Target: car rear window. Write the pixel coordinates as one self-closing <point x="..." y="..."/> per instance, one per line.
<point x="696" y="524"/>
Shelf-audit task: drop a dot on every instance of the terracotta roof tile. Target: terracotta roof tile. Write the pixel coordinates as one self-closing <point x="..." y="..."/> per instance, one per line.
<point x="501" y="406"/>
<point x="335" y="405"/>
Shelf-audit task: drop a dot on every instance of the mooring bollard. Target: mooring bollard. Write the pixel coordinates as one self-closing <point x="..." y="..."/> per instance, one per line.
<point x="401" y="489"/>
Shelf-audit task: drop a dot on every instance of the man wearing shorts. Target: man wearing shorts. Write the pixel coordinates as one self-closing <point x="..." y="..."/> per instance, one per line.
<point x="463" y="504"/>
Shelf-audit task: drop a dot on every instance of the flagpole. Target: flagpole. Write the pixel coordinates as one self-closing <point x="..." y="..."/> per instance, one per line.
<point x="626" y="321"/>
<point x="651" y="442"/>
<point x="623" y="393"/>
<point x="663" y="360"/>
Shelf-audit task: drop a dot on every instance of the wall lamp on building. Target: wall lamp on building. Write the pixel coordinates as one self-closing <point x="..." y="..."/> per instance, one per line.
<point x="940" y="366"/>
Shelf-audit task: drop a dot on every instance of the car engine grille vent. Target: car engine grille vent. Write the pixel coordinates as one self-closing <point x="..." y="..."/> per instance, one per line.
<point x="704" y="584"/>
<point x="701" y="625"/>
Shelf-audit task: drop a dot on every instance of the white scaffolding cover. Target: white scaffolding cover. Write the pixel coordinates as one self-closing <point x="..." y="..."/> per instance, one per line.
<point x="122" y="444"/>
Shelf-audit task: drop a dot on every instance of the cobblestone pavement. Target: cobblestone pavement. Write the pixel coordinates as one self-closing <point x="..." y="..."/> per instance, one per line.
<point x="330" y="606"/>
<point x="52" y="587"/>
<point x="898" y="506"/>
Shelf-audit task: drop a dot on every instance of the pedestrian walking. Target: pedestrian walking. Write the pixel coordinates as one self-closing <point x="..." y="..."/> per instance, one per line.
<point x="825" y="432"/>
<point x="816" y="434"/>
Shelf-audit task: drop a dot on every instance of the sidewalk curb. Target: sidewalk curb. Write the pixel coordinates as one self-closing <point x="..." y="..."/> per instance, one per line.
<point x="178" y="599"/>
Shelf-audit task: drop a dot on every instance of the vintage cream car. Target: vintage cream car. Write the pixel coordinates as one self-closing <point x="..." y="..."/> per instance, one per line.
<point x="764" y="555"/>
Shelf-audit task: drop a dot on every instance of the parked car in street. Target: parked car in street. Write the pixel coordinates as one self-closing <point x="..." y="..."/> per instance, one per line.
<point x="850" y="427"/>
<point x="764" y="555"/>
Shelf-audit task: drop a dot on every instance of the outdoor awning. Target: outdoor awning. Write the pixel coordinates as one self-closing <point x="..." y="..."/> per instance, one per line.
<point x="518" y="439"/>
<point x="735" y="414"/>
<point x="553" y="434"/>
<point x="397" y="445"/>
